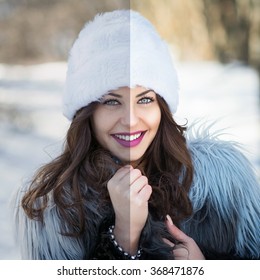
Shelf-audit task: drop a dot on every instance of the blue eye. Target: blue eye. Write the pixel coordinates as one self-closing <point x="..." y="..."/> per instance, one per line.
<point x="111" y="102"/>
<point x="145" y="100"/>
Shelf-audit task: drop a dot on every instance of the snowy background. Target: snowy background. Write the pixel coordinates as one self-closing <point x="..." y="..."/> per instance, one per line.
<point x="32" y="128"/>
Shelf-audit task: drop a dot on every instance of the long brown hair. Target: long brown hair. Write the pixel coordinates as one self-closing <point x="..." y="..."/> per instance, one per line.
<point x="84" y="162"/>
<point x="169" y="168"/>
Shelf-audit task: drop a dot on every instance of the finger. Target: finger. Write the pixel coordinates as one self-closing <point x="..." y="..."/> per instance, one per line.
<point x="138" y="184"/>
<point x="176" y="232"/>
<point x="124" y="178"/>
<point x="168" y="242"/>
<point x="145" y="193"/>
<point x="117" y="180"/>
<point x="129" y="177"/>
<point x="134" y="175"/>
<point x="180" y="253"/>
<point x="123" y="172"/>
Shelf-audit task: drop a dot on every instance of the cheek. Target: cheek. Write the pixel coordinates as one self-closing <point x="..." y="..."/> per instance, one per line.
<point x="103" y="122"/>
<point x="98" y="122"/>
<point x="154" y="119"/>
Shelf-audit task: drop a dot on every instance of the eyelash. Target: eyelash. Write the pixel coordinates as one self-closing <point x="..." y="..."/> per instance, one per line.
<point x="151" y="99"/>
<point x="111" y="102"/>
<point x="114" y="102"/>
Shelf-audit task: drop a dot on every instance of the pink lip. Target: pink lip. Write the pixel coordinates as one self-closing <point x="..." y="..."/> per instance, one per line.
<point x="129" y="144"/>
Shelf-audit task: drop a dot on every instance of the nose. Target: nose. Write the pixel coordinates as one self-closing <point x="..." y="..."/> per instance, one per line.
<point x="130" y="116"/>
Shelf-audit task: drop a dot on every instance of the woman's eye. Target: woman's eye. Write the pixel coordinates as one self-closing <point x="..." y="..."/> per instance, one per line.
<point x="145" y="100"/>
<point x="111" y="102"/>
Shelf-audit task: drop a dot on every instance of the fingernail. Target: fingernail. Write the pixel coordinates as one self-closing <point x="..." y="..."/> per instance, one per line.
<point x="169" y="219"/>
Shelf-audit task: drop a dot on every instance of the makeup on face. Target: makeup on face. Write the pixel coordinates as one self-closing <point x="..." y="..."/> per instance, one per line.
<point x="129" y="140"/>
<point x="126" y="122"/>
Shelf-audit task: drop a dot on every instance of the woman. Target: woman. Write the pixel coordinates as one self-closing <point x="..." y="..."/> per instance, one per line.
<point x="130" y="184"/>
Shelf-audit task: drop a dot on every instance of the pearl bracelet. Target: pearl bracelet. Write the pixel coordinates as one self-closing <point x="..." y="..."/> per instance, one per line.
<point x="119" y="248"/>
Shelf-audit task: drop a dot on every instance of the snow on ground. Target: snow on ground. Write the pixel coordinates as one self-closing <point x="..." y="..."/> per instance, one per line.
<point x="32" y="127"/>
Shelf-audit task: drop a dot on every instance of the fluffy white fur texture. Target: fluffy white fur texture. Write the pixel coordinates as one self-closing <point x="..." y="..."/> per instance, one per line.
<point x="116" y="49"/>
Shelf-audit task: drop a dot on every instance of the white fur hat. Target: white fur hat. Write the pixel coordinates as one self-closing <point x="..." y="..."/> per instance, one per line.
<point x="116" y="49"/>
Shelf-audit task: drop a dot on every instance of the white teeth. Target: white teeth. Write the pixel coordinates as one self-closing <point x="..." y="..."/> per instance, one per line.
<point x="128" y="137"/>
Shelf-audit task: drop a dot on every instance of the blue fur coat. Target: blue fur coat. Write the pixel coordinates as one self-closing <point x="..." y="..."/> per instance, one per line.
<point x="225" y="195"/>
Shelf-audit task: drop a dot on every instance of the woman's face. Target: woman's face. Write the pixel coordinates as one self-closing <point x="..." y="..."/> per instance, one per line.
<point x="126" y="122"/>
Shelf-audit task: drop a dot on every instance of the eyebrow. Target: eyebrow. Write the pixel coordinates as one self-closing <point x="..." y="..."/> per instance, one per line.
<point x="144" y="92"/>
<point x="138" y="95"/>
<point x="114" y="94"/>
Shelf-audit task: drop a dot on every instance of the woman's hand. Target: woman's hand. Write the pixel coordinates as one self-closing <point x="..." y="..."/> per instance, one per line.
<point x="129" y="192"/>
<point x="187" y="249"/>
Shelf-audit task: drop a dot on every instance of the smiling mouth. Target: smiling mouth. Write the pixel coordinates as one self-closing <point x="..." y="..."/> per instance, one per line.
<point x="129" y="139"/>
